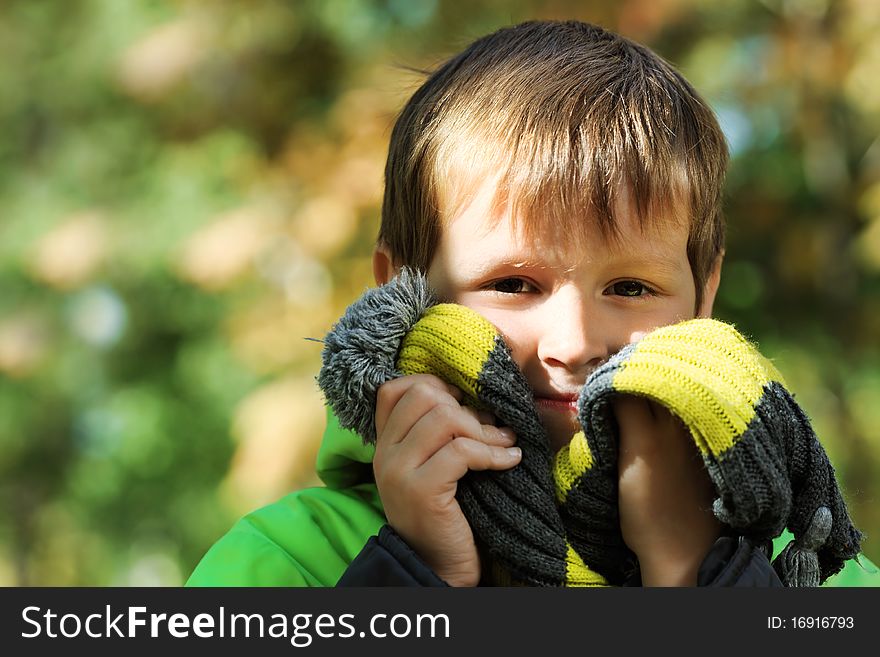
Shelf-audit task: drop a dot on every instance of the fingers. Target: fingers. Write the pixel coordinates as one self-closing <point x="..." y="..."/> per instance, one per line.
<point x="504" y="436"/>
<point x="422" y="392"/>
<point x="633" y="421"/>
<point x="485" y="417"/>
<point x="644" y="424"/>
<point x="656" y="450"/>
<point x="417" y="415"/>
<point x="633" y="413"/>
<point x="462" y="454"/>
<point x="443" y="424"/>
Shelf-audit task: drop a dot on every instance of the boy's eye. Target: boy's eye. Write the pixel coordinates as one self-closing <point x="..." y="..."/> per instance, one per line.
<point x="629" y="289"/>
<point x="511" y="286"/>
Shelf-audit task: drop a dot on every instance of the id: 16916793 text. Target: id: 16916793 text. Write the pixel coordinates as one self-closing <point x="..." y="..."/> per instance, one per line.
<point x="810" y="623"/>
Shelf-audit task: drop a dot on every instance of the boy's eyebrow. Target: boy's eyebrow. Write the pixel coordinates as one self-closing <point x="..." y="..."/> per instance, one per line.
<point x="490" y="264"/>
<point x="655" y="261"/>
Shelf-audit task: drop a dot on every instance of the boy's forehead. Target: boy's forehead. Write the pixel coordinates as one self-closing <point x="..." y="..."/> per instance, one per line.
<point x="492" y="213"/>
<point x="482" y="232"/>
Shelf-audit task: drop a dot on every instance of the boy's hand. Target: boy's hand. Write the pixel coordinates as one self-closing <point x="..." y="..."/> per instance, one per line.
<point x="426" y="441"/>
<point x="665" y="494"/>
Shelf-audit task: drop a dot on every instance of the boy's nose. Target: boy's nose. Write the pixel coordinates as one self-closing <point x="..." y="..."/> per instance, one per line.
<point x="573" y="337"/>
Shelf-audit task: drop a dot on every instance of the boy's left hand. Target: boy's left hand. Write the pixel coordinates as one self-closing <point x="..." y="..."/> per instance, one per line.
<point x="665" y="495"/>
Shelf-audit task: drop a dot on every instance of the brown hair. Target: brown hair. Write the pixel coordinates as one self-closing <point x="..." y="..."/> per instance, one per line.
<point x="564" y="114"/>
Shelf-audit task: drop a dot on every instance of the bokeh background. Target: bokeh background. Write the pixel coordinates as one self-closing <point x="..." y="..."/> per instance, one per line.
<point x="189" y="189"/>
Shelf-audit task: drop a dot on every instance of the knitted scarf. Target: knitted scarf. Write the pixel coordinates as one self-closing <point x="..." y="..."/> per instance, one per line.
<point x="553" y="519"/>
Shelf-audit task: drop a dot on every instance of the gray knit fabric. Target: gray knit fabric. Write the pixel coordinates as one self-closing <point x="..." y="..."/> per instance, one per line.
<point x="777" y="475"/>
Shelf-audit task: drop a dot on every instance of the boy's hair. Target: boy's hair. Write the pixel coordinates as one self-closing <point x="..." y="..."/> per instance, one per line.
<point x="563" y="115"/>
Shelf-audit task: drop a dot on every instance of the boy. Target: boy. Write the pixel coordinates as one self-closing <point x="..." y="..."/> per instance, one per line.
<point x="566" y="184"/>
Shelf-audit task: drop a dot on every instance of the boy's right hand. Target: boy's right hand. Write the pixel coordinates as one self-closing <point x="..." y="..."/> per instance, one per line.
<point x="427" y="441"/>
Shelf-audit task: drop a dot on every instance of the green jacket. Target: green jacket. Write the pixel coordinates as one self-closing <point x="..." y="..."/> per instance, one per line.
<point x="309" y="537"/>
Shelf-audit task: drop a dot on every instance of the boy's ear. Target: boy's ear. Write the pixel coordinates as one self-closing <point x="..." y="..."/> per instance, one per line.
<point x="710" y="288"/>
<point x="383" y="264"/>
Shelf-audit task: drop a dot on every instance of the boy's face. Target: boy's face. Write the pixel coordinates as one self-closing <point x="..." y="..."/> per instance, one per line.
<point x="564" y="310"/>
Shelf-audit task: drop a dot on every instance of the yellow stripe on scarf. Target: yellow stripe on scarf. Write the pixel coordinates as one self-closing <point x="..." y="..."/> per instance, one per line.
<point x="571" y="462"/>
<point x="674" y="367"/>
<point x="451" y="342"/>
<point x="578" y="574"/>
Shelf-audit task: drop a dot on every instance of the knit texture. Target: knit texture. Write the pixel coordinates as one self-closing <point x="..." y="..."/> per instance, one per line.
<point x="553" y="521"/>
<point x="768" y="467"/>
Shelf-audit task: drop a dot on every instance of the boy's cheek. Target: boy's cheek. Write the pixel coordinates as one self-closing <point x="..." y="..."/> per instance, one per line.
<point x="520" y="337"/>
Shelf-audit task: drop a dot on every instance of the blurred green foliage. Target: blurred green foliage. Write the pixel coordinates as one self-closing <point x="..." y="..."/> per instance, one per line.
<point x="189" y="188"/>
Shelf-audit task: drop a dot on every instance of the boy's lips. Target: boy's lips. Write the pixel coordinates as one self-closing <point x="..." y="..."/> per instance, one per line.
<point x="566" y="403"/>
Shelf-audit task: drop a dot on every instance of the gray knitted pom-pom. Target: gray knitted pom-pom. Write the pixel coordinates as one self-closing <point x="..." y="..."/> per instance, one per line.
<point x="360" y="351"/>
<point x="798" y="563"/>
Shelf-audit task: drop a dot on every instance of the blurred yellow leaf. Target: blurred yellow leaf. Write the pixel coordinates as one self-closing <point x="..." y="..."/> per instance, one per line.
<point x="860" y="85"/>
<point x="7" y="570"/>
<point x="325" y="225"/>
<point x="272" y="335"/>
<point x="70" y="254"/>
<point x="220" y="253"/>
<point x="23" y="343"/>
<point x="153" y="66"/>
<point x="868" y="245"/>
<point x="278" y="427"/>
